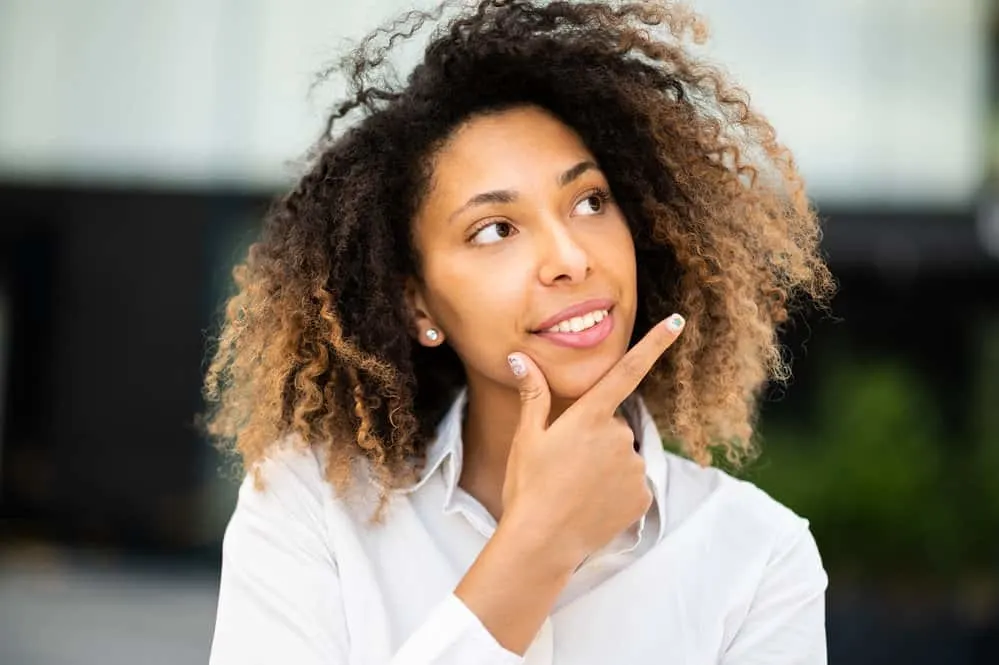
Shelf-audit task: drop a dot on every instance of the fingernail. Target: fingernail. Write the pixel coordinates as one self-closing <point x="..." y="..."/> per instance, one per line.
<point x="517" y="365"/>
<point x="675" y="323"/>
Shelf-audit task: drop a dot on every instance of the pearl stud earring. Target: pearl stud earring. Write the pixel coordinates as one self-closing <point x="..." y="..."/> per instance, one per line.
<point x="432" y="334"/>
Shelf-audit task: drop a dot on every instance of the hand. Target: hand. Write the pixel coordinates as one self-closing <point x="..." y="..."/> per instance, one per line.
<point x="574" y="485"/>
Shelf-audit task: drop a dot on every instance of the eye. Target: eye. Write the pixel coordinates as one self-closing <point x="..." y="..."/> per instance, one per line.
<point x="593" y="203"/>
<point x="492" y="232"/>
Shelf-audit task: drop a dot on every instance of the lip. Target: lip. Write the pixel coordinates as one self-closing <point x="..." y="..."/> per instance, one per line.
<point x="583" y="339"/>
<point x="579" y="309"/>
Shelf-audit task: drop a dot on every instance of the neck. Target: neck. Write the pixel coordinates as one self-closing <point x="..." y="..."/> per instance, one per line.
<point x="487" y="433"/>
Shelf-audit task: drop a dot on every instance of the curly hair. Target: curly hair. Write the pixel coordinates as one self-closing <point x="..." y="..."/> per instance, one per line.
<point x="317" y="344"/>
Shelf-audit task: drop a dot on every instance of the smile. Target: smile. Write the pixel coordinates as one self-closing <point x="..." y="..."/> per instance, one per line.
<point x="579" y="323"/>
<point x="580" y="332"/>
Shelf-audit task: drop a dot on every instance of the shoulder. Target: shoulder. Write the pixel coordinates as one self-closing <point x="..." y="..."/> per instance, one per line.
<point x="290" y="472"/>
<point x="752" y="547"/>
<point x="724" y="508"/>
<point x="289" y="488"/>
<point x="284" y="495"/>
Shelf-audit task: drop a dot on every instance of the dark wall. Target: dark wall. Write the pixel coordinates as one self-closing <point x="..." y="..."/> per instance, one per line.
<point x="111" y="293"/>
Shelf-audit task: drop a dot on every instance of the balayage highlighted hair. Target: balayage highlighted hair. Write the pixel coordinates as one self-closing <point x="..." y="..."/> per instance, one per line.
<point x="318" y="345"/>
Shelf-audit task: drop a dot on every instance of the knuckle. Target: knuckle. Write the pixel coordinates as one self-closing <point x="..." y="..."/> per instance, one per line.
<point x="640" y="502"/>
<point x="621" y="432"/>
<point x="646" y="499"/>
<point x="530" y="393"/>
<point x="632" y="367"/>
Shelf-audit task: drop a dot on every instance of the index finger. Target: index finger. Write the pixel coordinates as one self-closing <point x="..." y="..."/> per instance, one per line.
<point x="623" y="378"/>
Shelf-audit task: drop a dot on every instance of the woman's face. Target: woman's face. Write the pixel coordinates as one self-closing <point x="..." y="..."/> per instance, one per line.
<point x="522" y="250"/>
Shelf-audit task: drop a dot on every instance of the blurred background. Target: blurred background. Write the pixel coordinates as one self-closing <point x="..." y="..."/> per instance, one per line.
<point x="141" y="142"/>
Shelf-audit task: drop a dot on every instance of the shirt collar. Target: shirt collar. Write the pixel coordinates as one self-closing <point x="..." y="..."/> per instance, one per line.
<point x="447" y="443"/>
<point x="445" y="453"/>
<point x="651" y="449"/>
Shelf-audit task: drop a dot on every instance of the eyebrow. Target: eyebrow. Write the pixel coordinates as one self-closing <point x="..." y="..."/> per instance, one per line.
<point x="509" y="195"/>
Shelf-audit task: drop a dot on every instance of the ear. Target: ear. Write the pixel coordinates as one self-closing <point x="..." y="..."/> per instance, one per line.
<point x="426" y="330"/>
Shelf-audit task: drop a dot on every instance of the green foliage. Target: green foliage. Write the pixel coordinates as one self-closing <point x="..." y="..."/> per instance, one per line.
<point x="888" y="488"/>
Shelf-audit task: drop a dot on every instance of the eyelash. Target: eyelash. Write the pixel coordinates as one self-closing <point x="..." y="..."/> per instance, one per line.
<point x="601" y="193"/>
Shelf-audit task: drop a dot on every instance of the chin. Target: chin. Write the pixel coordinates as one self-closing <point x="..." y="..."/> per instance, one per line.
<point x="571" y="383"/>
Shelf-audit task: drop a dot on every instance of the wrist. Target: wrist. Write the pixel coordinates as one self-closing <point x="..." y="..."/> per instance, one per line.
<point x="514" y="583"/>
<point x="540" y="548"/>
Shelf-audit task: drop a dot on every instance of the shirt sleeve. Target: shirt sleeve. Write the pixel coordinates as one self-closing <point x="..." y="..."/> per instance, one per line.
<point x="786" y="620"/>
<point x="280" y="598"/>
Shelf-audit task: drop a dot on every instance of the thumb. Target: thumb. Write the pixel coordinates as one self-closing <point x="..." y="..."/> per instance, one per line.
<point x="535" y="398"/>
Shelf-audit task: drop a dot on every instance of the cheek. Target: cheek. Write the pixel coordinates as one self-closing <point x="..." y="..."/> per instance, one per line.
<point x="611" y="249"/>
<point x="623" y="244"/>
<point x="475" y="300"/>
<point x="481" y="311"/>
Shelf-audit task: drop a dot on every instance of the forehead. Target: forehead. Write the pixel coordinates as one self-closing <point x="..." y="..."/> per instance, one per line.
<point x="510" y="149"/>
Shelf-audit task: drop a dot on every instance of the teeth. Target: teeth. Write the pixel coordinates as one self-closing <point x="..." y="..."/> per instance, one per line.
<point x="579" y="323"/>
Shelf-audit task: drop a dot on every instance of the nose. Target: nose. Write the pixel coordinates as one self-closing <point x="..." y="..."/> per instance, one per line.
<point x="562" y="258"/>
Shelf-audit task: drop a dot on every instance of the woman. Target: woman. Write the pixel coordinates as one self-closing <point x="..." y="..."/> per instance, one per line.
<point x="454" y="347"/>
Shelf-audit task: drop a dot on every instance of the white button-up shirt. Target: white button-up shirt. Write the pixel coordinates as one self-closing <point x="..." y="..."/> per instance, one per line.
<point x="716" y="572"/>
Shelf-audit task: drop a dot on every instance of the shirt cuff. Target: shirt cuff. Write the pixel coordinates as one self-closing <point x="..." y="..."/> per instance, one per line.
<point x="453" y="634"/>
